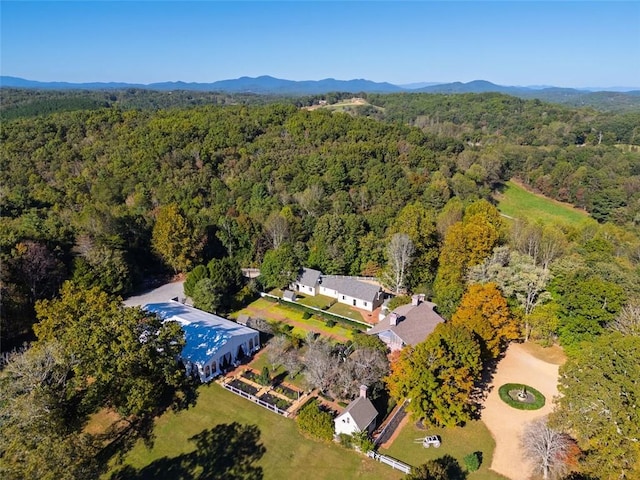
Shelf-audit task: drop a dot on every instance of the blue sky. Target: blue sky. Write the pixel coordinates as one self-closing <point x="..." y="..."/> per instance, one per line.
<point x="573" y="44"/>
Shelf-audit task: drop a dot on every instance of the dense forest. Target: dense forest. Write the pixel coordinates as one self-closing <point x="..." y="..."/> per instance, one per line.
<point x="109" y="197"/>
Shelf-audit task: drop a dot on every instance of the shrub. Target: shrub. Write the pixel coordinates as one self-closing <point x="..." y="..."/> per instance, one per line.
<point x="315" y="422"/>
<point x="330" y="323"/>
<point x="264" y="378"/>
<point x="306" y="316"/>
<point x="346" y="440"/>
<point x="472" y="461"/>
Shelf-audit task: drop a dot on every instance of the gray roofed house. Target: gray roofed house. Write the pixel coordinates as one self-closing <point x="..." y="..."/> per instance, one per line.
<point x="359" y="416"/>
<point x="408" y="324"/>
<point x="349" y="291"/>
<point x="307" y="282"/>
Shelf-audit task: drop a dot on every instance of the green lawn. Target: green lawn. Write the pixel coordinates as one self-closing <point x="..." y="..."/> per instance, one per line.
<point x="319" y="301"/>
<point x="516" y="202"/>
<point x="457" y="442"/>
<point x="273" y="311"/>
<point x="261" y="361"/>
<point x="224" y="446"/>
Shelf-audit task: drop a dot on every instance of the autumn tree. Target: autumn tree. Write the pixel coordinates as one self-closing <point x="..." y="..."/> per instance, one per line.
<point x="438" y="375"/>
<point x="518" y="278"/>
<point x="548" y="450"/>
<point x="173" y="238"/>
<point x="466" y="244"/>
<point x="485" y="312"/>
<point x="600" y="391"/>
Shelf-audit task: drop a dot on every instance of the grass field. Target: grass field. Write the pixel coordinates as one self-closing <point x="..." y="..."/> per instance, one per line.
<point x="272" y="311"/>
<point x="517" y="202"/>
<point x="457" y="442"/>
<point x="225" y="447"/>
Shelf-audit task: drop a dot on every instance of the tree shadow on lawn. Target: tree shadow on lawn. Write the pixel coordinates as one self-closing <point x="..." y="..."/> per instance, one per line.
<point x="226" y="451"/>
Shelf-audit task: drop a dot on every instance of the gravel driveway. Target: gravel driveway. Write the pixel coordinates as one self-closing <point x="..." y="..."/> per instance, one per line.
<point x="506" y="423"/>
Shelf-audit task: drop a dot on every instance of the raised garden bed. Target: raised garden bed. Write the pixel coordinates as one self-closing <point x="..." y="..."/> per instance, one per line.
<point x="243" y="386"/>
<point x="287" y="392"/>
<point x="275" y="401"/>
<point x="254" y="377"/>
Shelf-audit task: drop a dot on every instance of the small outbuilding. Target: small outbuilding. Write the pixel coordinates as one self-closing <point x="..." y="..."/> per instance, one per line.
<point x="213" y="344"/>
<point x="359" y="416"/>
<point x="307" y="282"/>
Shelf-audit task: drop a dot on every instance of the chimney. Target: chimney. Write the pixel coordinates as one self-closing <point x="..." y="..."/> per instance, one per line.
<point x="363" y="391"/>
<point x="415" y="300"/>
<point x="393" y="319"/>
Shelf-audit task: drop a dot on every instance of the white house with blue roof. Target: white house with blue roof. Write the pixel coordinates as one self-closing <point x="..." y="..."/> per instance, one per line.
<point x="213" y="344"/>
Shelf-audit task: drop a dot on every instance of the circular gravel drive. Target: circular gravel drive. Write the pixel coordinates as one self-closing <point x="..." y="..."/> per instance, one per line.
<point x="506" y="423"/>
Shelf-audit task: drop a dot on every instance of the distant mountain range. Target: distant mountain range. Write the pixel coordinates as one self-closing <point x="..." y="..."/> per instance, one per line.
<point x="613" y="99"/>
<point x="276" y="86"/>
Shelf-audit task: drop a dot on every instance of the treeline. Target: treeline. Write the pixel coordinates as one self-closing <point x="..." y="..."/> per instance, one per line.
<point x="20" y="103"/>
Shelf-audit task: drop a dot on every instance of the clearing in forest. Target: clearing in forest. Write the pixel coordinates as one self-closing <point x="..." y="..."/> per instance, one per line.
<point x="515" y="201"/>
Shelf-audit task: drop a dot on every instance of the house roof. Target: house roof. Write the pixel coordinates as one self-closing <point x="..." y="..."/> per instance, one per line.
<point x="415" y="322"/>
<point x="352" y="288"/>
<point x="205" y="333"/>
<point x="289" y="295"/>
<point x="362" y="411"/>
<point x="309" y="277"/>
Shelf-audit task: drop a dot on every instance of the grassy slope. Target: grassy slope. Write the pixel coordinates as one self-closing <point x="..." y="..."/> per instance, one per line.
<point x="288" y="454"/>
<point x="457" y="442"/>
<point x="516" y="202"/>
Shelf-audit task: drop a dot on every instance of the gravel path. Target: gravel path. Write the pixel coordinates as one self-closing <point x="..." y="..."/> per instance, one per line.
<point x="506" y="423"/>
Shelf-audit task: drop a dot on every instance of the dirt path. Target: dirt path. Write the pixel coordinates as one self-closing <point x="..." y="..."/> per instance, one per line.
<point x="506" y="423"/>
<point x="269" y="314"/>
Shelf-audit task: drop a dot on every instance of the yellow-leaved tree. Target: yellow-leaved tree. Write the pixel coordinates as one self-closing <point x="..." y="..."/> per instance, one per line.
<point x="484" y="311"/>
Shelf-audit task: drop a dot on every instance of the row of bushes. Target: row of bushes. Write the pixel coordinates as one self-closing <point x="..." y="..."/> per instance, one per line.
<point x="329" y="317"/>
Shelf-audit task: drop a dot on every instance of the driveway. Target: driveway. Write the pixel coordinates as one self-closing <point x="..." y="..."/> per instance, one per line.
<point x="164" y="293"/>
<point x="506" y="423"/>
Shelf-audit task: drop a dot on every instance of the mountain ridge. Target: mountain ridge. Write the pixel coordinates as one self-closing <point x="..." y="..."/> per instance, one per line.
<point x="266" y="84"/>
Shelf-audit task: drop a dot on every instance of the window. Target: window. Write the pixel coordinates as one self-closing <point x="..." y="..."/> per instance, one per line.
<point x="365" y="304"/>
<point x="207" y="371"/>
<point x="343" y="297"/>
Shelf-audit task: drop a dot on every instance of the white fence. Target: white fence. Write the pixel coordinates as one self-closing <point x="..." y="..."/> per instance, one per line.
<point x="255" y="399"/>
<point x="392" y="462"/>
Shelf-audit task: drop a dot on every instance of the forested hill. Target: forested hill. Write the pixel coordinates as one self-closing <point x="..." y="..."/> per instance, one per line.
<point x="83" y="192"/>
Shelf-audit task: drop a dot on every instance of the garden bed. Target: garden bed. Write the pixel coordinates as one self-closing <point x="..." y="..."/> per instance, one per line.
<point x="287" y="392"/>
<point x="532" y="399"/>
<point x="243" y="386"/>
<point x="275" y="401"/>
